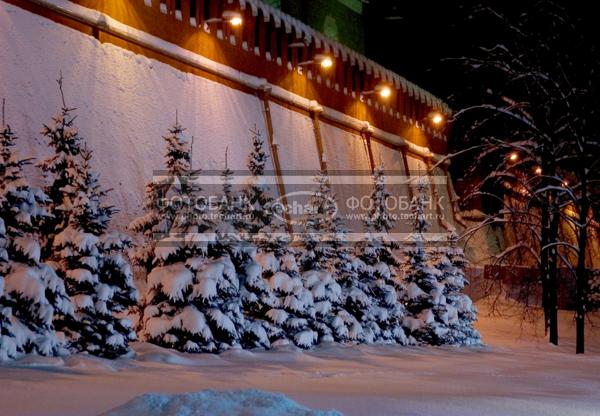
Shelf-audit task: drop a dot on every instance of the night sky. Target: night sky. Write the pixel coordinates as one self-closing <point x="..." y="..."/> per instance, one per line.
<point x="413" y="38"/>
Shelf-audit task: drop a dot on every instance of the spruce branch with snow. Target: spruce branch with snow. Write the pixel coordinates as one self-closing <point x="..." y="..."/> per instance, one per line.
<point x="8" y="342"/>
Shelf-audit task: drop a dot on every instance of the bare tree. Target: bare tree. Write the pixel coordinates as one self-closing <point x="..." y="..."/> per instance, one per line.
<point x="529" y="118"/>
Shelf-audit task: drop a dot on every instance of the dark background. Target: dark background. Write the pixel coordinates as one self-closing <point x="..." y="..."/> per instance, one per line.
<point x="413" y="38"/>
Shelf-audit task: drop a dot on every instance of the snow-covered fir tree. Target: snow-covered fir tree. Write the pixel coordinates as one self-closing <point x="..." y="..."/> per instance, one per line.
<point x="8" y="344"/>
<point x="263" y="304"/>
<point x="229" y="231"/>
<point x="192" y="299"/>
<point x="97" y="275"/>
<point x="462" y="313"/>
<point x="325" y="259"/>
<point x="427" y="315"/>
<point x="278" y="298"/>
<point x="60" y="170"/>
<point x="160" y="204"/>
<point x="32" y="296"/>
<point x="379" y="276"/>
<point x="323" y="230"/>
<point x="260" y="223"/>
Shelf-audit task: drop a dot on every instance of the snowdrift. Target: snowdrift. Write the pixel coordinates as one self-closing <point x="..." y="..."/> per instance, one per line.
<point x="216" y="403"/>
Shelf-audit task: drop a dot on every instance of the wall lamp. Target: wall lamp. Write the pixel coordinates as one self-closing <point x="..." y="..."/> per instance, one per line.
<point x="230" y="16"/>
<point x="382" y="89"/>
<point x="321" y="59"/>
<point x="437" y="119"/>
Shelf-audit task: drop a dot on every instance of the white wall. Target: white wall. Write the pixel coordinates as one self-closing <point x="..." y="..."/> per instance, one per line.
<point x="346" y="153"/>
<point x="126" y="102"/>
<point x="393" y="164"/>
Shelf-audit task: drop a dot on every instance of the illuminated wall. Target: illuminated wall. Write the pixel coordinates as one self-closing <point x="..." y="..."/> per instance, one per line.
<point x="125" y="102"/>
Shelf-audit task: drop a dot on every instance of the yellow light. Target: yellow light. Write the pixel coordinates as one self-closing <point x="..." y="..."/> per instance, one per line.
<point x="565" y="183"/>
<point x="327" y="62"/>
<point x="514" y="157"/>
<point x="385" y="92"/>
<point x="437" y="119"/>
<point x="538" y="171"/>
<point x="234" y="18"/>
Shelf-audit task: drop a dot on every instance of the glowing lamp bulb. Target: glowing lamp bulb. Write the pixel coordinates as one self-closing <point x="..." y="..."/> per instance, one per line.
<point x="437" y="119"/>
<point x="234" y="18"/>
<point x="327" y="62"/>
<point x="385" y="92"/>
<point x="538" y="171"/>
<point x="513" y="157"/>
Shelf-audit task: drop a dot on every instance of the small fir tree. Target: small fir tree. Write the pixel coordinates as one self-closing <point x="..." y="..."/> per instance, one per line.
<point x="60" y="170"/>
<point x="427" y="320"/>
<point x="192" y="294"/>
<point x="97" y="275"/>
<point x="462" y="313"/>
<point x="161" y="206"/>
<point x="325" y="260"/>
<point x="380" y="273"/>
<point x="323" y="230"/>
<point x="261" y="228"/>
<point x="260" y="223"/>
<point x="229" y="239"/>
<point x="101" y="289"/>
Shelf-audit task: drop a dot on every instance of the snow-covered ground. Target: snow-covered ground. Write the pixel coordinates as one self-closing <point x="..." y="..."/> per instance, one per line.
<point x="516" y="374"/>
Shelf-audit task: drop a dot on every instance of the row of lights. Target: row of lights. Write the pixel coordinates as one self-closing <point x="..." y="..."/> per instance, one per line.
<point x="514" y="157"/>
<point x="325" y="61"/>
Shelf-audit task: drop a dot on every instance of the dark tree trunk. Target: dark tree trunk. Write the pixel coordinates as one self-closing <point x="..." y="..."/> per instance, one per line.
<point x="553" y="279"/>
<point x="544" y="259"/>
<point x="550" y="219"/>
<point x="547" y="271"/>
<point x="582" y="275"/>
